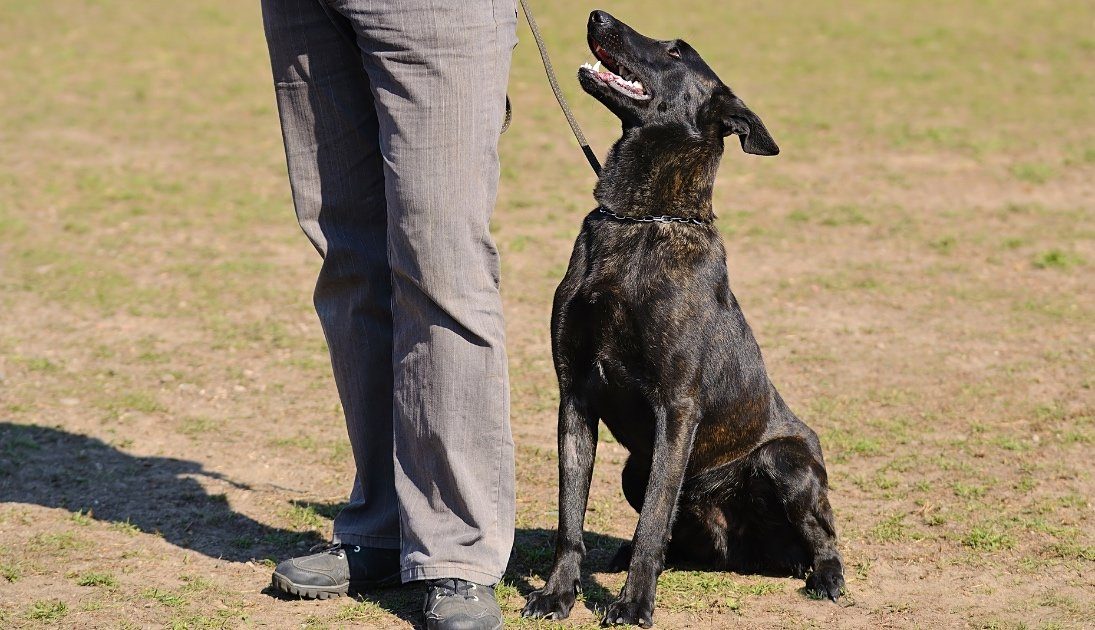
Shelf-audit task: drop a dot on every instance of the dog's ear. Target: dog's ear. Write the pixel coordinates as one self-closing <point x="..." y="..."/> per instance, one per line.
<point x="739" y="120"/>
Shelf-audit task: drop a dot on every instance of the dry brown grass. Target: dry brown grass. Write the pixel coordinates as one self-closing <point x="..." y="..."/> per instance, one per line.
<point x="916" y="265"/>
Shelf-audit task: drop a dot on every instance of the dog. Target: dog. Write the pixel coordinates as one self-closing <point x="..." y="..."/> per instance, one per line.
<point x="648" y="337"/>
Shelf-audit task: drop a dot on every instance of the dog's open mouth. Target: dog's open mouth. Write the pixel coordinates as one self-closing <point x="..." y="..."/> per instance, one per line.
<point x="614" y="75"/>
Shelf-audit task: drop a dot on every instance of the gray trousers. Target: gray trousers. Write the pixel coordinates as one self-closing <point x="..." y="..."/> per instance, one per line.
<point x="391" y="111"/>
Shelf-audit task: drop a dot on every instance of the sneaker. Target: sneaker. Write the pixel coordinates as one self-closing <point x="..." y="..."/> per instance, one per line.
<point x="454" y="604"/>
<point x="337" y="569"/>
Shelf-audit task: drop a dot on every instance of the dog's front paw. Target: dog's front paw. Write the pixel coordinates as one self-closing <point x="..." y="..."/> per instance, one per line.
<point x="622" y="613"/>
<point x="826" y="582"/>
<point x="542" y="604"/>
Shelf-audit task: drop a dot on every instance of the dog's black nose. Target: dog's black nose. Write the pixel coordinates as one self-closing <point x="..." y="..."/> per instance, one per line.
<point x="599" y="18"/>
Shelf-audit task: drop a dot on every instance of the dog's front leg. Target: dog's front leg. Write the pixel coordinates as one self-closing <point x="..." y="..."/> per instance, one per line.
<point x="577" y="450"/>
<point x="676" y="426"/>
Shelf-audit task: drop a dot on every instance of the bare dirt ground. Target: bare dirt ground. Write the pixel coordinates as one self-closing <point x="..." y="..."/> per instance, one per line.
<point x="916" y="265"/>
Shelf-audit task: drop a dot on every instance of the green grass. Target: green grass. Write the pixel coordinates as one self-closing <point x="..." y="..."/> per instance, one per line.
<point x="1056" y="259"/>
<point x="704" y="590"/>
<point x="893" y="529"/>
<point x="38" y="364"/>
<point x="987" y="538"/>
<point x="165" y="597"/>
<point x="138" y="401"/>
<point x="125" y="527"/>
<point x="82" y="517"/>
<point x="362" y="612"/>
<point x="304" y="517"/>
<point x="1033" y="173"/>
<point x="843" y="444"/>
<point x="57" y="542"/>
<point x="105" y="580"/>
<point x="197" y="426"/>
<point x="913" y="265"/>
<point x="48" y="610"/>
<point x="10" y="572"/>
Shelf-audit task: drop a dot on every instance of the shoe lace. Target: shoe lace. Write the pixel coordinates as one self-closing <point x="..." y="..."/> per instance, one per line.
<point x="333" y="548"/>
<point x="455" y="588"/>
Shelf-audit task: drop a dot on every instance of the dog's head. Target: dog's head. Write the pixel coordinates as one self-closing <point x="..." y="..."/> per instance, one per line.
<point x="650" y="82"/>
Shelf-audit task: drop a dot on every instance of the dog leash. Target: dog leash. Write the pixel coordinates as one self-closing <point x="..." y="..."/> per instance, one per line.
<point x="550" y="71"/>
<point x="577" y="130"/>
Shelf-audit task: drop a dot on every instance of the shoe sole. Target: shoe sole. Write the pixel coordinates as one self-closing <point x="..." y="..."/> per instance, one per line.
<point x="285" y="585"/>
<point x="435" y="622"/>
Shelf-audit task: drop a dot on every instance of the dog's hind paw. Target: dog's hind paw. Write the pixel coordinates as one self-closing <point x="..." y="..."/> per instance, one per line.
<point x="621" y="613"/>
<point x="544" y="605"/>
<point x="827" y="582"/>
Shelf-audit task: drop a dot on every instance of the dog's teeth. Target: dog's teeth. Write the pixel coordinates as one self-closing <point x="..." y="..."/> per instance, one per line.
<point x="597" y="66"/>
<point x="639" y="85"/>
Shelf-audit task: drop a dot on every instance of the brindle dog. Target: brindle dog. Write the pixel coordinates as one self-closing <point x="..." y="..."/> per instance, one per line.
<point x="647" y="336"/>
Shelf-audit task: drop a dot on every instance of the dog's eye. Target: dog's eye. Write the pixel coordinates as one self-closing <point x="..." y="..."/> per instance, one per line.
<point x="675" y="52"/>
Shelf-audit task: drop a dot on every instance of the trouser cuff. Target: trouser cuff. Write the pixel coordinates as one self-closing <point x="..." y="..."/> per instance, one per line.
<point x="374" y="542"/>
<point x="441" y="571"/>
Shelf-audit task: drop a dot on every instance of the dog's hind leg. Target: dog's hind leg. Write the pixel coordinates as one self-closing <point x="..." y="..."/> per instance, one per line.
<point x="634" y="478"/>
<point x="699" y="536"/>
<point x="800" y="483"/>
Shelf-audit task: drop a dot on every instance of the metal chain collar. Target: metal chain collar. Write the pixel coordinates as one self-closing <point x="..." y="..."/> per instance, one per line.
<point x="651" y="218"/>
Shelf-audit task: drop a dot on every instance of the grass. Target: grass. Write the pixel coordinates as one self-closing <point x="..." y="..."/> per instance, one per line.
<point x="1056" y="259"/>
<point x="105" y="580"/>
<point x="10" y="572"/>
<point x="1032" y="172"/>
<point x="125" y="527"/>
<point x="304" y="517"/>
<point x="361" y="612"/>
<point x="892" y="529"/>
<point x="57" y="542"/>
<point x="38" y="364"/>
<point x="914" y="265"/>
<point x="167" y="598"/>
<point x="48" y="610"/>
<point x="195" y="427"/>
<point x="82" y="517"/>
<point x="986" y="538"/>
<point x="702" y="590"/>
<point x="127" y="402"/>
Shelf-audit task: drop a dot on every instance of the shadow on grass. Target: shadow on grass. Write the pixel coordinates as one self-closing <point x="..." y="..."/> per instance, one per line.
<point x="161" y="496"/>
<point x="155" y="495"/>
<point x="403" y="601"/>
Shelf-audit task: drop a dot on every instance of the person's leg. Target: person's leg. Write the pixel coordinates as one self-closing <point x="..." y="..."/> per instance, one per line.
<point x="331" y="135"/>
<point x="439" y="72"/>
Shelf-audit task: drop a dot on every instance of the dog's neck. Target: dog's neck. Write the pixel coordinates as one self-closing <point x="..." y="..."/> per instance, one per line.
<point x="660" y="171"/>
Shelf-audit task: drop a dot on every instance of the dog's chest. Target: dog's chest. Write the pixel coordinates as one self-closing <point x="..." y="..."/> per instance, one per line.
<point x="616" y="353"/>
<point x="617" y="393"/>
<point x="619" y="376"/>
